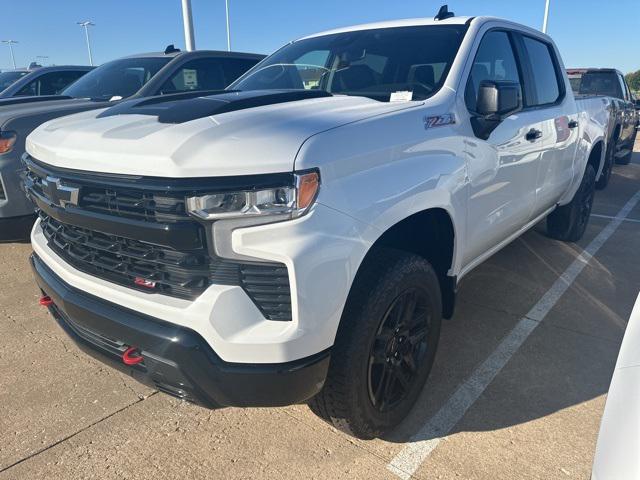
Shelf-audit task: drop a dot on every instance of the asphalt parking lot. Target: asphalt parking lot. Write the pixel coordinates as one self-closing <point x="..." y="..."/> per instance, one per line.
<point x="517" y="391"/>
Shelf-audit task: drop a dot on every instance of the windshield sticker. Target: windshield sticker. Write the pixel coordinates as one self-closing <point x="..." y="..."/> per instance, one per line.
<point x="403" y="96"/>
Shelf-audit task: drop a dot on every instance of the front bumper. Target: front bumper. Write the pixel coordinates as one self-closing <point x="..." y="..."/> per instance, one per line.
<point x="177" y="360"/>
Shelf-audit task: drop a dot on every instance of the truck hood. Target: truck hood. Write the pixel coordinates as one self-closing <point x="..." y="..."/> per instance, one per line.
<point x="249" y="140"/>
<point x="13" y="111"/>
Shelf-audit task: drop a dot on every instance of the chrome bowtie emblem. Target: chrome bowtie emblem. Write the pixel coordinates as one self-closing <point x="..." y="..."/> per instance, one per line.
<point x="59" y="194"/>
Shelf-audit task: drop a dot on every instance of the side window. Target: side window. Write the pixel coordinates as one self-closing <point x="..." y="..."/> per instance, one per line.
<point x="29" y="90"/>
<point x="623" y="87"/>
<point x="495" y="60"/>
<point x="54" y="83"/>
<point x="200" y="74"/>
<point x="50" y="83"/>
<point x="545" y="77"/>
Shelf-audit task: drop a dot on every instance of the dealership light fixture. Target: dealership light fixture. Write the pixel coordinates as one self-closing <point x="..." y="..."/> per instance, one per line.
<point x="11" y="43"/>
<point x="187" y="20"/>
<point x="226" y="4"/>
<point x="86" y="24"/>
<point x="546" y="16"/>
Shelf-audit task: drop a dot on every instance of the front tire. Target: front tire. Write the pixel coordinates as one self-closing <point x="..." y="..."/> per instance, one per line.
<point x="569" y="222"/>
<point x="385" y="346"/>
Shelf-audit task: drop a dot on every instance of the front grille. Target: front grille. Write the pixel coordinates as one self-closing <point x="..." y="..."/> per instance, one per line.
<point x="122" y="260"/>
<point x="168" y="253"/>
<point x="123" y="201"/>
<point x="149" y="207"/>
<point x="182" y="274"/>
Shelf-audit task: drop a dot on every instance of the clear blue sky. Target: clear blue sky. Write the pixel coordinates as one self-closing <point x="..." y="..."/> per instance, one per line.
<point x="588" y="32"/>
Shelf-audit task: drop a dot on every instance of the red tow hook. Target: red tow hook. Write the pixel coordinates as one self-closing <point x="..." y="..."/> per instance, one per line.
<point x="45" y="301"/>
<point x="132" y="356"/>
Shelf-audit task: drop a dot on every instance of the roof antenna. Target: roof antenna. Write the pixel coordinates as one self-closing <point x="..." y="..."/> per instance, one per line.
<point x="171" y="49"/>
<point x="444" y="13"/>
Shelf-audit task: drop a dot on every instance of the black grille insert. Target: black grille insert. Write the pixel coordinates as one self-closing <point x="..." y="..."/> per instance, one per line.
<point x="182" y="274"/>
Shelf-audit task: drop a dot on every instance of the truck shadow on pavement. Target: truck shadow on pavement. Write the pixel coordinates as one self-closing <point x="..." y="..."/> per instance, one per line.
<point x="570" y="356"/>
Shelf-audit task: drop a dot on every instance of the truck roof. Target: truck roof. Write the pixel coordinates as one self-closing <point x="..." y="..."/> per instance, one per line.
<point x="407" y="22"/>
<point x="176" y="53"/>
<point x="592" y="70"/>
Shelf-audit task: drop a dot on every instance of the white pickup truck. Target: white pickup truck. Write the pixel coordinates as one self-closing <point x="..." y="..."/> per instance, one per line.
<point x="300" y="236"/>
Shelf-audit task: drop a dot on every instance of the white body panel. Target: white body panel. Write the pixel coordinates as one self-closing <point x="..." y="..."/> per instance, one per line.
<point x="619" y="439"/>
<point x="378" y="164"/>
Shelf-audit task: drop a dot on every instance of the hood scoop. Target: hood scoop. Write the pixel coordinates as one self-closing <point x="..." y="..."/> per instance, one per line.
<point x="185" y="107"/>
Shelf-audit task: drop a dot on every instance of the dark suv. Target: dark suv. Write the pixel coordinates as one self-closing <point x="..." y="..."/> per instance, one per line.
<point x="169" y="72"/>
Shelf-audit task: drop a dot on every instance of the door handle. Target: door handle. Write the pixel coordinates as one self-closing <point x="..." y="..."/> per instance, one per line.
<point x="533" y="135"/>
<point x="573" y="124"/>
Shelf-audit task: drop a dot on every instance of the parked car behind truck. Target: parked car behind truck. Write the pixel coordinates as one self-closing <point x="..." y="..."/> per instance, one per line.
<point x="301" y="236"/>
<point x="44" y="81"/>
<point x="132" y="77"/>
<point x="611" y="85"/>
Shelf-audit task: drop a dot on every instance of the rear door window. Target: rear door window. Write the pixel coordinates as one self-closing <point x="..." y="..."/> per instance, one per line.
<point x="546" y="84"/>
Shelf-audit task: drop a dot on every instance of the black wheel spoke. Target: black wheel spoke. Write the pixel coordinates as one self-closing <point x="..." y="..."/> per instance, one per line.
<point x="398" y="349"/>
<point x="410" y="362"/>
<point x="403" y="378"/>
<point x="408" y="309"/>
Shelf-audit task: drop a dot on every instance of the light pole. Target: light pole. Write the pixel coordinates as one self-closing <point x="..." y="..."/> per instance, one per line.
<point x="226" y="4"/>
<point x="546" y="17"/>
<point x="187" y="19"/>
<point x="86" y="24"/>
<point x="11" y="43"/>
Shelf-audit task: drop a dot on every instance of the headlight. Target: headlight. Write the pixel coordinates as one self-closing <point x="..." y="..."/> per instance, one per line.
<point x="285" y="202"/>
<point x="7" y="139"/>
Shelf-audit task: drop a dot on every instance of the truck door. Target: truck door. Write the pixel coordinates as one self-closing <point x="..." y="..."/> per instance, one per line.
<point x="503" y="169"/>
<point x="627" y="110"/>
<point x="556" y="109"/>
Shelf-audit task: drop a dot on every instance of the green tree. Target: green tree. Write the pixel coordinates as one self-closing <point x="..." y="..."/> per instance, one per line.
<point x="633" y="80"/>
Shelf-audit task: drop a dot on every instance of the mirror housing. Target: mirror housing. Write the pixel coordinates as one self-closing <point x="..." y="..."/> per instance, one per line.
<point x="497" y="100"/>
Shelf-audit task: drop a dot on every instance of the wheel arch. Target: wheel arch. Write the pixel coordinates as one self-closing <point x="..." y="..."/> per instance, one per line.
<point x="431" y="234"/>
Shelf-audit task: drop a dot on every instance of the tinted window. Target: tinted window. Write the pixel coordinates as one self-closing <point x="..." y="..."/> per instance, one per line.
<point x="545" y="76"/>
<point x="623" y="87"/>
<point x="120" y="78"/>
<point x="7" y="78"/>
<point x="601" y="83"/>
<point x="206" y="74"/>
<point x="495" y="60"/>
<point x="369" y="63"/>
<point x="50" y="83"/>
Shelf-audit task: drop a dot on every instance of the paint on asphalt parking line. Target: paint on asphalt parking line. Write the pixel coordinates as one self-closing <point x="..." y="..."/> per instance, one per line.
<point x="420" y="446"/>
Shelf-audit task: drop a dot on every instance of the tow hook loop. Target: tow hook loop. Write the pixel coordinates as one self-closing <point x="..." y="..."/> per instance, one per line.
<point x="45" y="301"/>
<point x="132" y="356"/>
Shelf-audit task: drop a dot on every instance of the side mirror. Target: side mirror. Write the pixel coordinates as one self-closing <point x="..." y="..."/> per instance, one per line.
<point x="496" y="101"/>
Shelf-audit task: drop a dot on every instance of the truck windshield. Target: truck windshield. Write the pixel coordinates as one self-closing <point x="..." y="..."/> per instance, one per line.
<point x="117" y="79"/>
<point x="369" y="63"/>
<point x="7" y="78"/>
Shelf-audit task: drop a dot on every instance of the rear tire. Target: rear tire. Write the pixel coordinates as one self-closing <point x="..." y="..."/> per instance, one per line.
<point x="385" y="346"/>
<point x="569" y="222"/>
<point x="605" y="175"/>
<point x="626" y="160"/>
